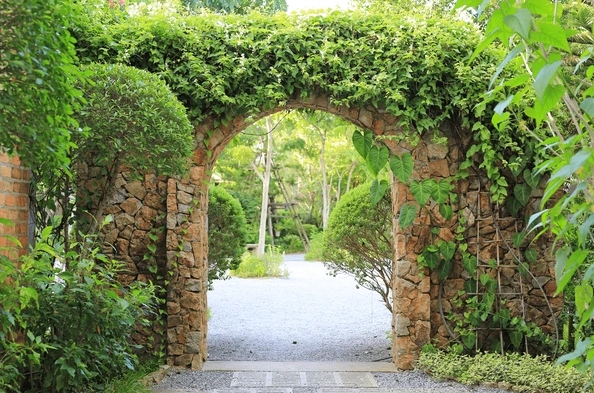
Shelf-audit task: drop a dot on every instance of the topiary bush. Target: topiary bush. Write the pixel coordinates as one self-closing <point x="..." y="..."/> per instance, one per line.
<point x="519" y="373"/>
<point x="358" y="241"/>
<point x="227" y="233"/>
<point x="130" y="118"/>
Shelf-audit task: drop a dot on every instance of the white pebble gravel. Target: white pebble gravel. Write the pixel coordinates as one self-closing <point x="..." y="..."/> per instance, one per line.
<point x="308" y="316"/>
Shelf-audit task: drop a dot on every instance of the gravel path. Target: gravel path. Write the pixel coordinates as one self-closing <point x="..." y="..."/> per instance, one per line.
<point x="308" y="316"/>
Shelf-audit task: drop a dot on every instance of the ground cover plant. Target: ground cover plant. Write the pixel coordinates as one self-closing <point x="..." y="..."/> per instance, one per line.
<point x="269" y="265"/>
<point x="515" y="372"/>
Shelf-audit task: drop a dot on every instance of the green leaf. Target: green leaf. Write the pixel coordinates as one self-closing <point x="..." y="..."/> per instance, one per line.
<point x="470" y="285"/>
<point x="470" y="263"/>
<point x="408" y="212"/>
<point x="469" y="340"/>
<point x="441" y="191"/>
<point x="513" y="205"/>
<point x="444" y="269"/>
<point x="550" y="99"/>
<point x="518" y="239"/>
<point x="447" y="249"/>
<point x="363" y="142"/>
<point x="520" y="22"/>
<point x="378" y="158"/>
<point x="576" y="162"/>
<point x="532" y="178"/>
<point x="567" y="263"/>
<point x="587" y="105"/>
<point x="516" y="338"/>
<point x="402" y="166"/>
<point x="522" y="193"/>
<point x="378" y="190"/>
<point x="539" y="7"/>
<point x="421" y="191"/>
<point x="446" y="211"/>
<point x="550" y="34"/>
<point x="431" y="258"/>
<point x="531" y="255"/>
<point x="544" y="77"/>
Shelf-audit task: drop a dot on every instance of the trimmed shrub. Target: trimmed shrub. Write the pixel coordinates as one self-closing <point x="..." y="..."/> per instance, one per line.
<point x="227" y="233"/>
<point x="358" y="241"/>
<point x="520" y="373"/>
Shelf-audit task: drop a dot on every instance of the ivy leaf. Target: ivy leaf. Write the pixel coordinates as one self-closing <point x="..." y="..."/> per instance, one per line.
<point x="402" y="166"/>
<point x="431" y="258"/>
<point x="447" y="250"/>
<point x="544" y="77"/>
<point x="363" y="142"/>
<point x="470" y="285"/>
<point x="444" y="269"/>
<point x="446" y="211"/>
<point x="520" y="22"/>
<point x="531" y="178"/>
<point x="518" y="239"/>
<point x="408" y="212"/>
<point x="516" y="338"/>
<point x="470" y="263"/>
<point x="378" y="158"/>
<point x="441" y="191"/>
<point x="378" y="190"/>
<point x="421" y="191"/>
<point x="513" y="205"/>
<point x="469" y="340"/>
<point x="522" y="193"/>
<point x="531" y="255"/>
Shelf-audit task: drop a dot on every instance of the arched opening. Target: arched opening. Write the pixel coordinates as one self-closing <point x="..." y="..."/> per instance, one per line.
<point x="307" y="315"/>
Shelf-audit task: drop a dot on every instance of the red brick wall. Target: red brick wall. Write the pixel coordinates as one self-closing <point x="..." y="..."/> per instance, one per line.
<point x="14" y="202"/>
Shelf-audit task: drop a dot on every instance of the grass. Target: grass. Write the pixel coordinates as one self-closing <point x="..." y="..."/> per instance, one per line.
<point x="131" y="381"/>
<point x="267" y="266"/>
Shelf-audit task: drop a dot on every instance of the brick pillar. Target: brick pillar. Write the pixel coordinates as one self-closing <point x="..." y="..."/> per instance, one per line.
<point x="14" y="203"/>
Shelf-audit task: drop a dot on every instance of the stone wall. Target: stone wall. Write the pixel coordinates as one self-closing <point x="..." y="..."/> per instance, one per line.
<point x="160" y="231"/>
<point x="14" y="204"/>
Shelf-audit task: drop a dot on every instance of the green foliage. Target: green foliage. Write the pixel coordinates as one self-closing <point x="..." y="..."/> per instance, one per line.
<point x="66" y="330"/>
<point x="239" y="6"/>
<point x="227" y="233"/>
<point x="133" y="119"/>
<point x="37" y="98"/>
<point x="268" y="266"/>
<point x="538" y="38"/>
<point x="358" y="241"/>
<point x="520" y="373"/>
<point x="228" y="66"/>
<point x="316" y="248"/>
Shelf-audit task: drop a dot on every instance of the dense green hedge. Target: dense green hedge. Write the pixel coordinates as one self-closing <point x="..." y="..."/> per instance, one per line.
<point x="228" y="65"/>
<point x="227" y="233"/>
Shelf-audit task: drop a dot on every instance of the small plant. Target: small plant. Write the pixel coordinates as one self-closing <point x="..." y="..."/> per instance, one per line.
<point x="520" y="373"/>
<point x="267" y="266"/>
<point x="67" y="330"/>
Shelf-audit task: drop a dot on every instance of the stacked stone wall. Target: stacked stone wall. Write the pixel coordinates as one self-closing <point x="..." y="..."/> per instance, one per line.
<point x="14" y="204"/>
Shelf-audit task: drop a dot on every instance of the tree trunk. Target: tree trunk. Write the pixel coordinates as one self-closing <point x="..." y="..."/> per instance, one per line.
<point x="265" y="188"/>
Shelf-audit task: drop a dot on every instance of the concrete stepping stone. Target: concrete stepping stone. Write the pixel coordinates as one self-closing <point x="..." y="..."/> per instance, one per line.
<point x="310" y="379"/>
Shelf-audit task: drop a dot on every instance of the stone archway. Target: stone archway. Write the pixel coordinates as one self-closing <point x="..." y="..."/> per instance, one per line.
<point x="169" y="214"/>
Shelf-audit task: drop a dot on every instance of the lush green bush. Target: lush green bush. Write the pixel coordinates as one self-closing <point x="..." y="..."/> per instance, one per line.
<point x="290" y="243"/>
<point x="316" y="248"/>
<point x="520" y="373"/>
<point x="36" y="83"/>
<point x="66" y="331"/>
<point x="227" y="233"/>
<point x="358" y="241"/>
<point x="267" y="266"/>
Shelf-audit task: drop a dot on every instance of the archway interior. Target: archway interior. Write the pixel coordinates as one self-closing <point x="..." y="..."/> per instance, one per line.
<point x="306" y="314"/>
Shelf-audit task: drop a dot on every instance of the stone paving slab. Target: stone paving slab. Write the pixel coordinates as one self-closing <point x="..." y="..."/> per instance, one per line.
<point x="299" y="366"/>
<point x="303" y="379"/>
<point x="322" y="390"/>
